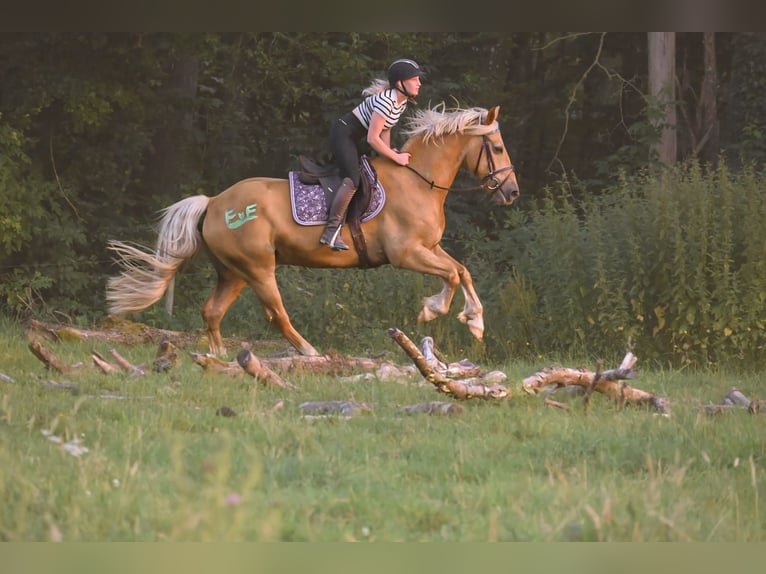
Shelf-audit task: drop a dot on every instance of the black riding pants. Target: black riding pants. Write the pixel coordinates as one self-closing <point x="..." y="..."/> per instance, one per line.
<point x="345" y="134"/>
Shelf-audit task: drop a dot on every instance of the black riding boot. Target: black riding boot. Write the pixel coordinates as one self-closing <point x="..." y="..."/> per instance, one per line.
<point x="340" y="203"/>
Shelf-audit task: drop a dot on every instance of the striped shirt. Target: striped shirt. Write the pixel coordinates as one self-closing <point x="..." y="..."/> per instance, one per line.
<point x="383" y="103"/>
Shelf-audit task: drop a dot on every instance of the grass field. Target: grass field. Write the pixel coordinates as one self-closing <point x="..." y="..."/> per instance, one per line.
<point x="162" y="465"/>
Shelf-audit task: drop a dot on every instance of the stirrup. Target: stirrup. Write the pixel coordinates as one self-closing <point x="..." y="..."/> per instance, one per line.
<point x="336" y="243"/>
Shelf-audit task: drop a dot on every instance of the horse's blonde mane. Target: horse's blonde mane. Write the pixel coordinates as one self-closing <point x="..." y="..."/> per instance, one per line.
<point x="438" y="121"/>
<point x="376" y="87"/>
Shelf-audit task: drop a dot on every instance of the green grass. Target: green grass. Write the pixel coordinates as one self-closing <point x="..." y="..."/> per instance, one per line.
<point x="162" y="465"/>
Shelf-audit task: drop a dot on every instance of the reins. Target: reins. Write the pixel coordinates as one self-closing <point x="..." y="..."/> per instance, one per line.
<point x="489" y="181"/>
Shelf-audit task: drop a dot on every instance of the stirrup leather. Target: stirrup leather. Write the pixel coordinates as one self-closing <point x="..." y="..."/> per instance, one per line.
<point x="336" y="242"/>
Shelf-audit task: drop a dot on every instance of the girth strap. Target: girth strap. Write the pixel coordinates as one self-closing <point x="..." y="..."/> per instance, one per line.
<point x="360" y="244"/>
<point x="354" y="215"/>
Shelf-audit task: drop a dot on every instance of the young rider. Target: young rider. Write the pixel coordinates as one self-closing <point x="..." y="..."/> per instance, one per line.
<point x="373" y="118"/>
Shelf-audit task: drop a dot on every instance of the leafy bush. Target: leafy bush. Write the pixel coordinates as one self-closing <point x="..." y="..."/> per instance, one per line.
<point x="671" y="264"/>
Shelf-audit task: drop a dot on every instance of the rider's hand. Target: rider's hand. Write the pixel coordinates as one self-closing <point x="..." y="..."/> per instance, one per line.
<point x="402" y="158"/>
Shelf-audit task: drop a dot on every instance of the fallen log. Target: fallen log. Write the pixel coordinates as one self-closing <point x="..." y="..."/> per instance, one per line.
<point x="611" y="383"/>
<point x="253" y="367"/>
<point x="733" y="401"/>
<point x="167" y="356"/>
<point x="344" y="408"/>
<point x="106" y="367"/>
<point x="122" y="364"/>
<point x="557" y="404"/>
<point x="212" y="364"/>
<point x="435" y="360"/>
<point x="326" y="364"/>
<point x="387" y="372"/>
<point x="50" y="360"/>
<point x="121" y="331"/>
<point x="435" y="408"/>
<point x="125" y="365"/>
<point x="60" y="386"/>
<point x="462" y="390"/>
<point x="116" y="330"/>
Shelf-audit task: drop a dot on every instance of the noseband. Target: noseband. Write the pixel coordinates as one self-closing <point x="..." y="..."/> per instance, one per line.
<point x="490" y="182"/>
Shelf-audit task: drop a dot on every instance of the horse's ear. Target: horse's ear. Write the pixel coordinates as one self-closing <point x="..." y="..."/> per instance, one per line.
<point x="492" y="115"/>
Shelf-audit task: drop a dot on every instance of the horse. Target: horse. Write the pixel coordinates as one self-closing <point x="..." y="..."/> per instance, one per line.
<point x="248" y="229"/>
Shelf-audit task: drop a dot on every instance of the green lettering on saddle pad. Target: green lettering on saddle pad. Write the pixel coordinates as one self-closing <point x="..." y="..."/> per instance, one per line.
<point x="236" y="219"/>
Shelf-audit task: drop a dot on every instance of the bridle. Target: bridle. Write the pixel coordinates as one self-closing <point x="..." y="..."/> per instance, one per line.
<point x="490" y="182"/>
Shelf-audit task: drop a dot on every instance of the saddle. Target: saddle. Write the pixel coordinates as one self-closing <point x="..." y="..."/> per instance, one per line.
<point x="328" y="178"/>
<point x="312" y="190"/>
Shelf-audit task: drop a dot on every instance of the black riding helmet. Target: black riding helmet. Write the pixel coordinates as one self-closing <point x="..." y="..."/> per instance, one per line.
<point x="403" y="69"/>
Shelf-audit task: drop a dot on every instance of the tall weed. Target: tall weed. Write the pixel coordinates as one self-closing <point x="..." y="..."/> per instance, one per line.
<point x="671" y="264"/>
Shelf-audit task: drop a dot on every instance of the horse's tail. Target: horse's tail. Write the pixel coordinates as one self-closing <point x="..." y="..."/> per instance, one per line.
<point x="146" y="274"/>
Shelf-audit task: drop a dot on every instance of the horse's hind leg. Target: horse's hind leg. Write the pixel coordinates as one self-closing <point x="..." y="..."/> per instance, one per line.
<point x="263" y="280"/>
<point x="225" y="293"/>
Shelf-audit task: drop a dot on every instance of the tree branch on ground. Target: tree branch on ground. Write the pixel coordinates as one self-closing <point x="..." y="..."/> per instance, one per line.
<point x="611" y="383"/>
<point x="441" y="375"/>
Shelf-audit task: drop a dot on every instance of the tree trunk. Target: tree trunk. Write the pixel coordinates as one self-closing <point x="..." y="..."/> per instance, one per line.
<point x="171" y="165"/>
<point x="171" y="161"/>
<point x="662" y="73"/>
<point x="707" y="113"/>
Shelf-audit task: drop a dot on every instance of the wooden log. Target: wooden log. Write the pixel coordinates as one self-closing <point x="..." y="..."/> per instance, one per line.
<point x="330" y="364"/>
<point x="458" y="389"/>
<point x="735" y="397"/>
<point x="344" y="408"/>
<point x="212" y="364"/>
<point x="592" y="385"/>
<point x="733" y="401"/>
<point x="436" y="361"/>
<point x="718" y="409"/>
<point x="611" y="383"/>
<point x="167" y="356"/>
<point x="64" y="386"/>
<point x="435" y="408"/>
<point x="557" y="404"/>
<point x="50" y="360"/>
<point x="126" y="365"/>
<point x="122" y="331"/>
<point x="260" y="372"/>
<point x="102" y="363"/>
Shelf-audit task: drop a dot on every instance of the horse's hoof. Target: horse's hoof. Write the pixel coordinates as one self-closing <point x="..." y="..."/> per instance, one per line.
<point x="426" y="315"/>
<point x="477" y="332"/>
<point x="475" y="324"/>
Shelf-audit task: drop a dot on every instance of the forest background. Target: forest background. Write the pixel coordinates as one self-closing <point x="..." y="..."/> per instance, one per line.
<point x="618" y="239"/>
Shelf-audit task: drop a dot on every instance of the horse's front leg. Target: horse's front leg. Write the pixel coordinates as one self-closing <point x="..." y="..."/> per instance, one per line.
<point x="473" y="311"/>
<point x="438" y="262"/>
<point x="437" y="305"/>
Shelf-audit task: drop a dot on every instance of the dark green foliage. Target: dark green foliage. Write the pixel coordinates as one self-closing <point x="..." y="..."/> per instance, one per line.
<point x="672" y="265"/>
<point x="100" y="131"/>
<point x="745" y="112"/>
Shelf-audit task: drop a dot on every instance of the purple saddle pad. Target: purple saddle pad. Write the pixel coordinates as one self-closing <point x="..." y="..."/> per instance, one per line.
<point x="308" y="200"/>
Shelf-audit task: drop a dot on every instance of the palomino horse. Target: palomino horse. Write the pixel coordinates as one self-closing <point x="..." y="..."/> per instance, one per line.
<point x="248" y="229"/>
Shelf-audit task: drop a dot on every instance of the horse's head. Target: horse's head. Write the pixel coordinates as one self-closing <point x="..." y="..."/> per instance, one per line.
<point x="491" y="162"/>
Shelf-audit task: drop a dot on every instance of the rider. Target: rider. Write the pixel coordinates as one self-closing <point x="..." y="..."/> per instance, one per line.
<point x="374" y="117"/>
